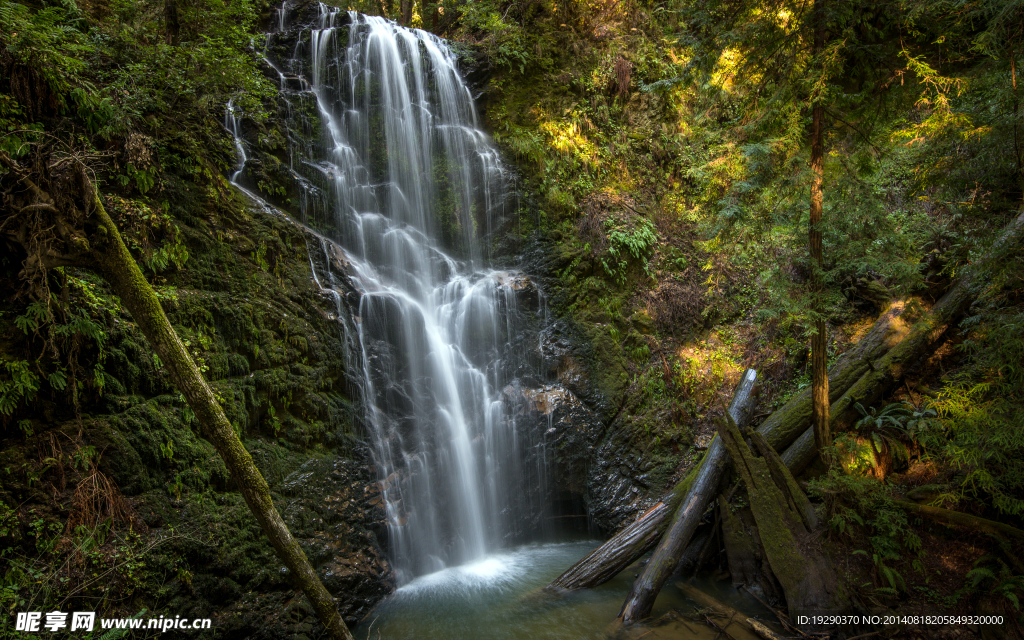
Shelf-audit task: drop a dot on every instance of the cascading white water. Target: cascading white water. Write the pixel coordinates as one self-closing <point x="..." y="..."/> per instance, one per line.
<point x="401" y="176"/>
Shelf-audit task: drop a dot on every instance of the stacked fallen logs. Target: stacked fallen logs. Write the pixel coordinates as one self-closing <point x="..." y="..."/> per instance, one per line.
<point x="865" y="374"/>
<point x="781" y="428"/>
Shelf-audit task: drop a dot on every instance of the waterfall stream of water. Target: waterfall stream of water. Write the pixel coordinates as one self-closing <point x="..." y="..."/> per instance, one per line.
<point x="395" y="169"/>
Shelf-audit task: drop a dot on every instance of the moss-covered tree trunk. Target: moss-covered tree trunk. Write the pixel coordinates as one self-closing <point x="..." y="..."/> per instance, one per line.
<point x="116" y="265"/>
<point x="785" y="523"/>
<point x="78" y="232"/>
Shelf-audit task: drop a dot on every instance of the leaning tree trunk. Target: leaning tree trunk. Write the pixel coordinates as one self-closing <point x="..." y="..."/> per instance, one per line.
<point x="116" y="265"/>
<point x="80" y="224"/>
<point x="629" y="544"/>
<point x="63" y="223"/>
<point x="702" y="490"/>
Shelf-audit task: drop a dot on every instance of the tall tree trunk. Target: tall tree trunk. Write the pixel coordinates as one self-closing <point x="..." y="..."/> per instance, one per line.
<point x="171" y="25"/>
<point x="819" y="341"/>
<point x="116" y="265"/>
<point x="406" y="12"/>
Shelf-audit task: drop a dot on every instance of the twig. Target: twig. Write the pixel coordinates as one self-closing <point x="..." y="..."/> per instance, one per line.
<point x="865" y="635"/>
<point x="783" y="618"/>
<point x="720" y="629"/>
<point x="370" y="628"/>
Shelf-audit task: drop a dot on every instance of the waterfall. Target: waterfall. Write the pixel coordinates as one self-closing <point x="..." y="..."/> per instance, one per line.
<point x="385" y="142"/>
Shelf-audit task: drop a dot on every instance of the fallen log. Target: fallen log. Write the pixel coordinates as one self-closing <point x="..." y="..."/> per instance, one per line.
<point x="784" y="425"/>
<point x="780" y="429"/>
<point x="703" y="489"/>
<point x="885" y="371"/>
<point x="960" y="519"/>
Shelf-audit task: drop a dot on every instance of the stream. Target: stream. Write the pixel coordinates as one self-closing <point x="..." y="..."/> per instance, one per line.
<point x="500" y="597"/>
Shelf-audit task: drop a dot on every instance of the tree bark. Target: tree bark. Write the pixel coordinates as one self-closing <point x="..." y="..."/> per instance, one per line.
<point x="172" y="26"/>
<point x="116" y="265"/>
<point x="702" y="491"/>
<point x="819" y="341"/>
<point x="622" y="550"/>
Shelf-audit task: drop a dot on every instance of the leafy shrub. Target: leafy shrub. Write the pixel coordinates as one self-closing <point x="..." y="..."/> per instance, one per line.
<point x="628" y="243"/>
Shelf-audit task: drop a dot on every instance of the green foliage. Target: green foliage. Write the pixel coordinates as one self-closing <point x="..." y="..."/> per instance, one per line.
<point x="992" y="576"/>
<point x="19" y="384"/>
<point x="51" y="40"/>
<point x="631" y="242"/>
<point x="507" y="43"/>
<point x="15" y="132"/>
<point x="863" y="506"/>
<point x="888" y="435"/>
<point x="981" y="405"/>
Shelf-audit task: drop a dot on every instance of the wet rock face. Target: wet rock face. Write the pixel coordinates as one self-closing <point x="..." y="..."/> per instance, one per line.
<point x="553" y="428"/>
<point x="613" y="478"/>
<point x="584" y="457"/>
<point x="332" y="512"/>
<point x="618" y="485"/>
<point x="560" y="358"/>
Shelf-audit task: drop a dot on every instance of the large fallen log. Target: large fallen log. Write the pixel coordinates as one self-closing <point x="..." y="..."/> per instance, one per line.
<point x="865" y="380"/>
<point x="886" y="371"/>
